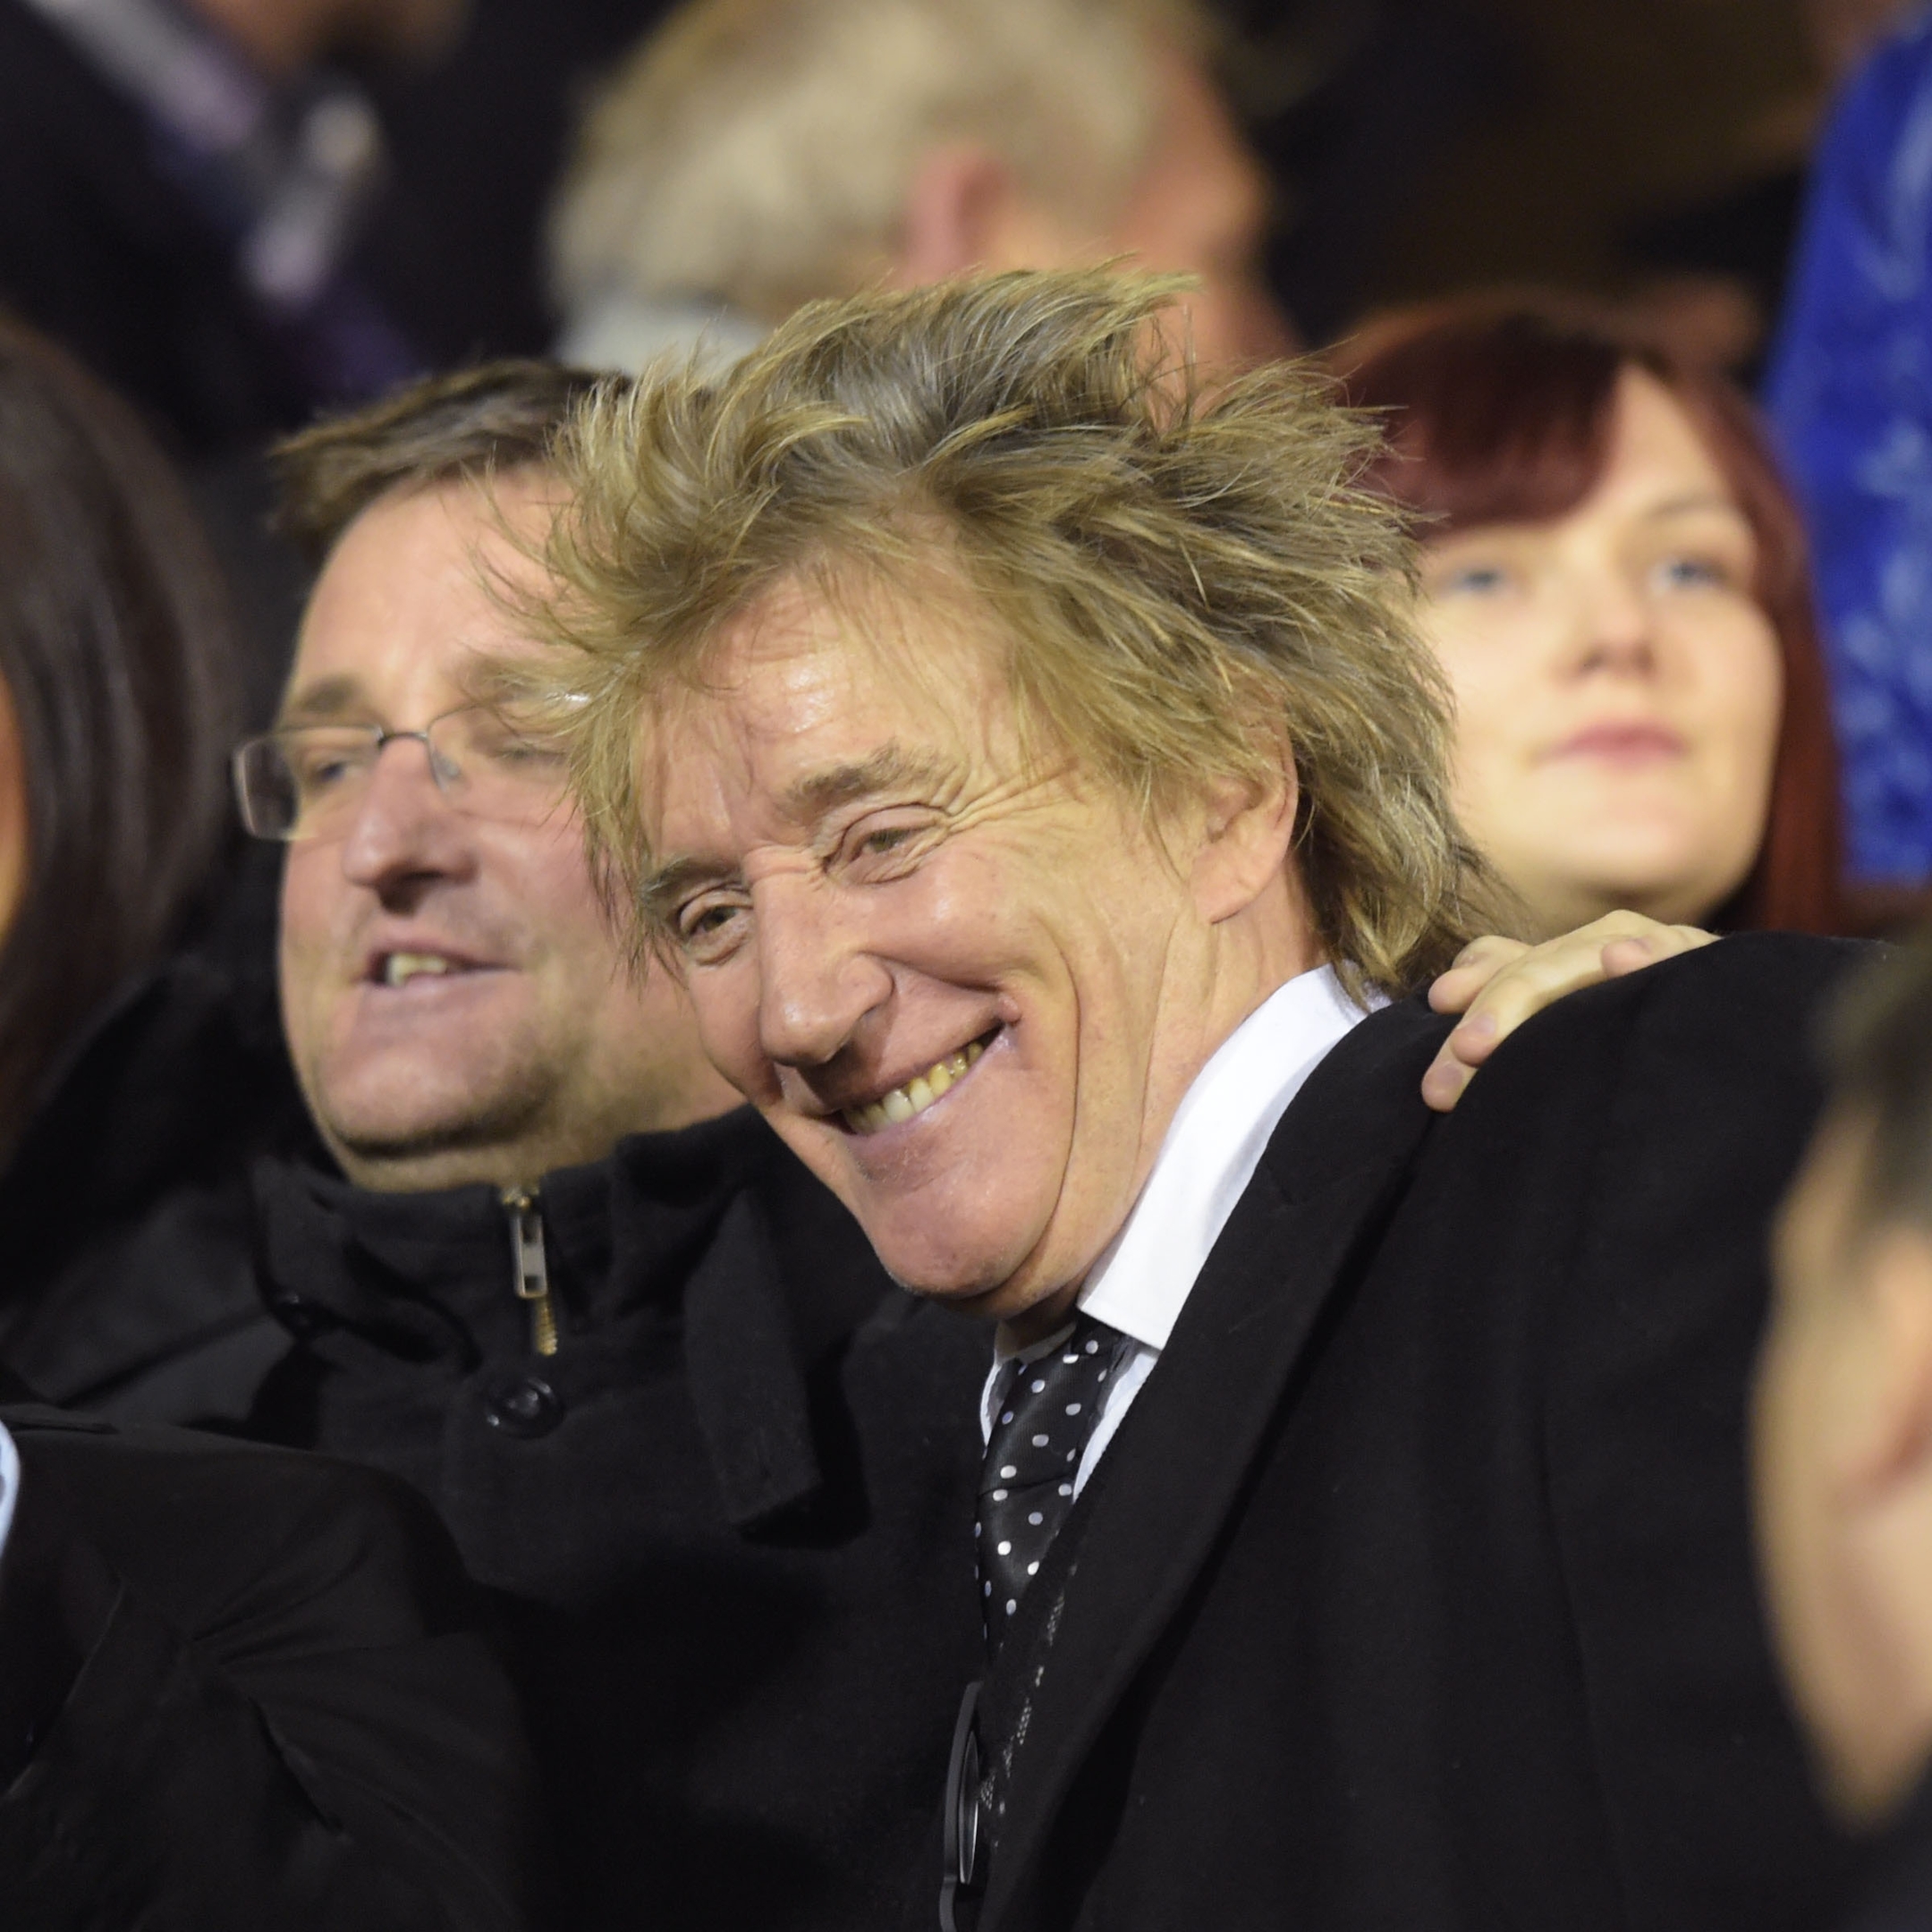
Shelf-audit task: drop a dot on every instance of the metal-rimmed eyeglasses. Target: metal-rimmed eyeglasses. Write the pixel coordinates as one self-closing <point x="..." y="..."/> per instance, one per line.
<point x="308" y="781"/>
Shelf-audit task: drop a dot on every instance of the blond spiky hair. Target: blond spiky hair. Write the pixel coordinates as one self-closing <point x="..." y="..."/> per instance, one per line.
<point x="1190" y="586"/>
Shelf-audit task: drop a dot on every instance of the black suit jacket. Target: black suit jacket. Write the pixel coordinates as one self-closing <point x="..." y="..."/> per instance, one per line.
<point x="1415" y="1589"/>
<point x="244" y="1688"/>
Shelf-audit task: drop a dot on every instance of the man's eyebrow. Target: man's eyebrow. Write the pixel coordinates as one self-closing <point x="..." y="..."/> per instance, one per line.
<point x="889" y="768"/>
<point x="325" y="701"/>
<point x="805" y="801"/>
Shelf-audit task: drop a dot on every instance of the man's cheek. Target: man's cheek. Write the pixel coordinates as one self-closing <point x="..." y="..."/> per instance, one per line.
<point x="727" y="1030"/>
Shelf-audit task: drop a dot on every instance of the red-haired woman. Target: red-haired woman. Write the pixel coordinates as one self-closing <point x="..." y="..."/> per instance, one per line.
<point x="1614" y="579"/>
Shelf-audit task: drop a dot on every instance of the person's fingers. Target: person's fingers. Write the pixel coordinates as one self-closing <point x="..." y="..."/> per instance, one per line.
<point x="1498" y="984"/>
<point x="1448" y="1075"/>
<point x="1625" y="955"/>
<point x="1526" y="986"/>
<point x="1476" y="965"/>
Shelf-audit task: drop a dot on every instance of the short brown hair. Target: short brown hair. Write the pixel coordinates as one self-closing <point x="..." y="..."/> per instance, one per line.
<point x="1188" y="585"/>
<point x="493" y="417"/>
<point x="1877" y="1041"/>
<point x="1499" y="410"/>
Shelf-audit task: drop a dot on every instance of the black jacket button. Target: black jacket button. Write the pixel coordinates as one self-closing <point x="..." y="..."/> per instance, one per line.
<point x="297" y="1315"/>
<point x="526" y="1405"/>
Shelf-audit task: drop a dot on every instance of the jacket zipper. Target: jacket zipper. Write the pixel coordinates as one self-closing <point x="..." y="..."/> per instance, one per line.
<point x="532" y="1265"/>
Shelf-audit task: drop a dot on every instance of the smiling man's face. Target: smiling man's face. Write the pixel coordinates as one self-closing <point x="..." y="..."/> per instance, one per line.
<point x="454" y="1000"/>
<point x="967" y="988"/>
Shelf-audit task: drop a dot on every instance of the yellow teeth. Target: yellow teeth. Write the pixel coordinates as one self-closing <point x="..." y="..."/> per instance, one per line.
<point x="905" y="1102"/>
<point x="399" y="968"/>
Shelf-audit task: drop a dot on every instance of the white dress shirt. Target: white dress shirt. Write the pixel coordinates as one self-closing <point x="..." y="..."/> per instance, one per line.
<point x="9" y="1485"/>
<point x="1213" y="1146"/>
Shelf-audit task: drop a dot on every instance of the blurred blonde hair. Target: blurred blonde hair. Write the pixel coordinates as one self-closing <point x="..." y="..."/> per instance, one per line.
<point x="1190" y="588"/>
<point x="759" y="152"/>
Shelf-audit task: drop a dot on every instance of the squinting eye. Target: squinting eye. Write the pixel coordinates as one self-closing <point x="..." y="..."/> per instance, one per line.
<point x="869" y="845"/>
<point x="708" y="930"/>
<point x="524" y="754"/>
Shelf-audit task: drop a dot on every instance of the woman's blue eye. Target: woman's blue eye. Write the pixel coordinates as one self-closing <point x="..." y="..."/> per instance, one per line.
<point x="1477" y="579"/>
<point x="1684" y="574"/>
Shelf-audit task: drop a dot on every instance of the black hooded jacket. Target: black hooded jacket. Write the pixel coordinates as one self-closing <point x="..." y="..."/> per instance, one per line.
<point x="728" y="1521"/>
<point x="129" y="1287"/>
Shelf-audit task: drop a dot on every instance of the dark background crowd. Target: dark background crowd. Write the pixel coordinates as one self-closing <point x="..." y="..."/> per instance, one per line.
<point x="1651" y="154"/>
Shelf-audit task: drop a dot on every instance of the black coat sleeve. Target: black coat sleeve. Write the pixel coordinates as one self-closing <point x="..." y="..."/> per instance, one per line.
<point x="1645" y="1439"/>
<point x="246" y="1688"/>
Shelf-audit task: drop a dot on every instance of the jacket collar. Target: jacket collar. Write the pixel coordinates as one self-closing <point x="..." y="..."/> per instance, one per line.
<point x="676" y="1222"/>
<point x="1333" y="1170"/>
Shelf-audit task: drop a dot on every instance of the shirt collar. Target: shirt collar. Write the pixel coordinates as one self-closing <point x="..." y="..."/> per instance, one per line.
<point x="1212" y="1147"/>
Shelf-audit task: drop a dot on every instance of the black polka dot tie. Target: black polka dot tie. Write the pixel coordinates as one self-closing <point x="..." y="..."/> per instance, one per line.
<point x="1046" y="1412"/>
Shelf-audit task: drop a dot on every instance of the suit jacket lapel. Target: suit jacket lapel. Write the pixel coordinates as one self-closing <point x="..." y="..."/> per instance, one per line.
<point x="1333" y="1170"/>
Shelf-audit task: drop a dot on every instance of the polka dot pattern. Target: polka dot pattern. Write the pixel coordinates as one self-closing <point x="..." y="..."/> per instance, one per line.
<point x="1048" y="1411"/>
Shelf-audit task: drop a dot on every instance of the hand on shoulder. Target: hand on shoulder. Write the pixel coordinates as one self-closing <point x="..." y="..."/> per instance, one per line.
<point x="1497" y="983"/>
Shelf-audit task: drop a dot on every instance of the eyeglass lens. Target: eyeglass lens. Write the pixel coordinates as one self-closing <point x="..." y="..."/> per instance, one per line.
<point x="308" y="781"/>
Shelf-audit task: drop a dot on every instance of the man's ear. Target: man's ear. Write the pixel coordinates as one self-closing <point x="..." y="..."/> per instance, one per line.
<point x="1885" y="1412"/>
<point x="965" y="210"/>
<point x="1246" y="830"/>
<point x="953" y="210"/>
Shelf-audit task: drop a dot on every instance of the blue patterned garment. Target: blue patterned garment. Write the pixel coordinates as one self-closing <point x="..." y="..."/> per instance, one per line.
<point x="1851" y="397"/>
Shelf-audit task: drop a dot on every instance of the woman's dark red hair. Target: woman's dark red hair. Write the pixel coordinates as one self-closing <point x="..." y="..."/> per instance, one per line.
<point x="1501" y="412"/>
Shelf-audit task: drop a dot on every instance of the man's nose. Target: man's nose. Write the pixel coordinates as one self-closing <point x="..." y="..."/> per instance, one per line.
<point x="403" y="827"/>
<point x="817" y="982"/>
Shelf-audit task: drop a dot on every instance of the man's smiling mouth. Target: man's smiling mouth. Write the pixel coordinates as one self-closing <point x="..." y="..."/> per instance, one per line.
<point x="910" y="1101"/>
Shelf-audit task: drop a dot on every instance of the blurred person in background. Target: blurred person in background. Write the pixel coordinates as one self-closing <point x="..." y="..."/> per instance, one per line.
<point x="1850" y="391"/>
<point x="1614" y="579"/>
<point x="1843" y="1435"/>
<point x="752" y="155"/>
<point x="129" y="1082"/>
<point x="183" y="181"/>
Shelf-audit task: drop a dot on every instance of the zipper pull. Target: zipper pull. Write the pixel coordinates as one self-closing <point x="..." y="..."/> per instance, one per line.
<point x="532" y="1277"/>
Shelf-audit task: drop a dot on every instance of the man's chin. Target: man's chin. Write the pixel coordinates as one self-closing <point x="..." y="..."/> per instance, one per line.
<point x="983" y="1278"/>
<point x="933" y="1234"/>
<point x="426" y="1140"/>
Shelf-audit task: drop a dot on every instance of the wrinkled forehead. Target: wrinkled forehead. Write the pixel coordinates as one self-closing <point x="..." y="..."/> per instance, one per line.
<point x="820" y="692"/>
<point x="426" y="584"/>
